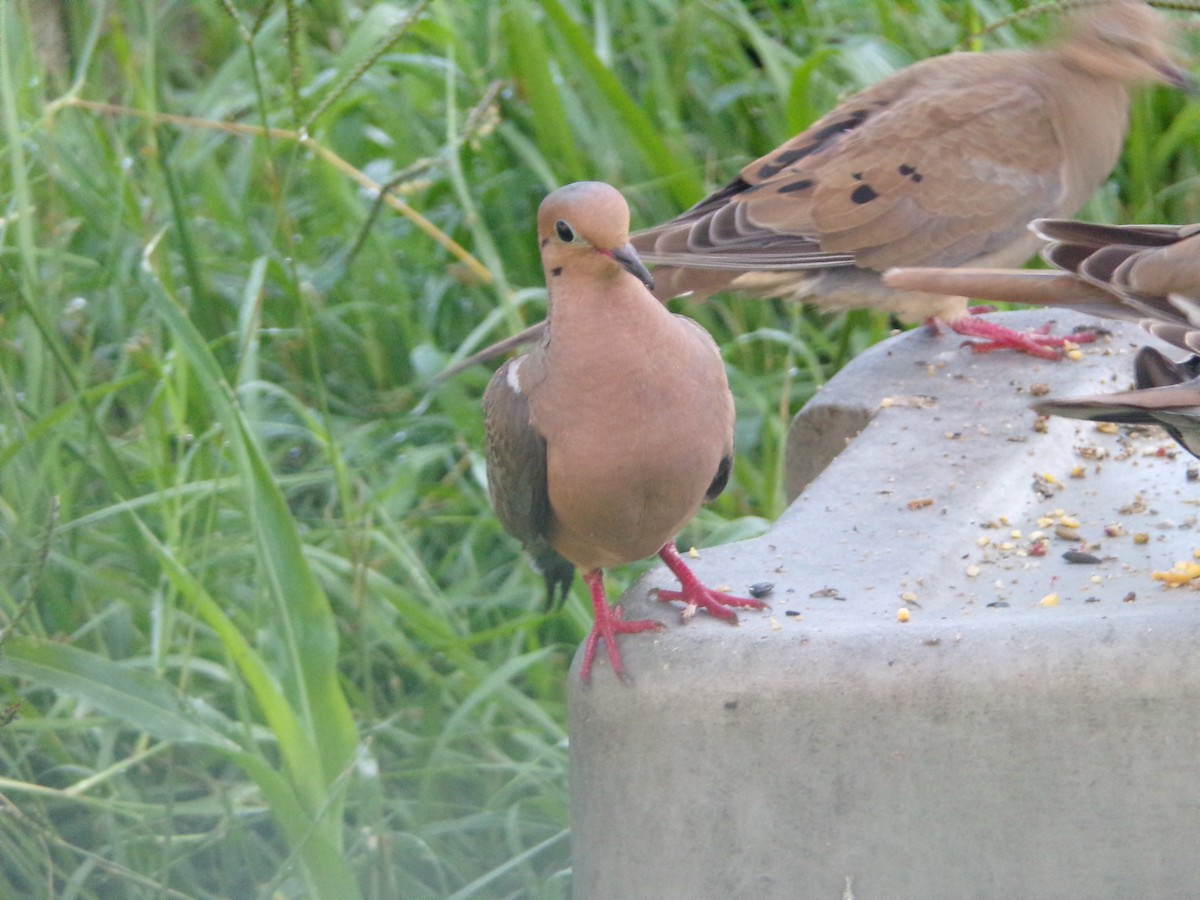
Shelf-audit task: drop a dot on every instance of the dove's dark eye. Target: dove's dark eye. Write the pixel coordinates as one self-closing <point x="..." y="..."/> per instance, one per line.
<point x="565" y="234"/>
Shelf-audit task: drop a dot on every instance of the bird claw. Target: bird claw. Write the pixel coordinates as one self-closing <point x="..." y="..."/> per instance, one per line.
<point x="715" y="603"/>
<point x="696" y="596"/>
<point x="608" y="625"/>
<point x="1039" y="342"/>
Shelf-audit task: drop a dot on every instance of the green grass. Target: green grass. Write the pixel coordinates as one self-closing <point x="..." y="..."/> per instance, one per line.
<point x="262" y="635"/>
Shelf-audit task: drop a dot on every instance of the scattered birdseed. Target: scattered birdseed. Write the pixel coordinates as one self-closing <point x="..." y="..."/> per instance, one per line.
<point x="1081" y="558"/>
<point x="903" y="615"/>
<point x="920" y="503"/>
<point x="1179" y="574"/>
<point x="760" y="589"/>
<point x="1045" y="485"/>
<point x="1049" y="600"/>
<point x="1137" y="507"/>
<point x="829" y="592"/>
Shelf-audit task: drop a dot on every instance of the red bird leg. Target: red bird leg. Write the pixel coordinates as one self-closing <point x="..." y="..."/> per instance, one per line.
<point x="608" y="624"/>
<point x="998" y="337"/>
<point x="696" y="595"/>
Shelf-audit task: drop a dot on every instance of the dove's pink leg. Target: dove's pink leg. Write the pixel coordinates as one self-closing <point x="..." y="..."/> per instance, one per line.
<point x="999" y="337"/>
<point x="608" y="625"/>
<point x="695" y="594"/>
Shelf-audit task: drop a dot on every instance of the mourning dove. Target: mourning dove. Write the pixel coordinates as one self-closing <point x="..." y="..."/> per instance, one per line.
<point x="941" y="164"/>
<point x="1146" y="273"/>
<point x="604" y="439"/>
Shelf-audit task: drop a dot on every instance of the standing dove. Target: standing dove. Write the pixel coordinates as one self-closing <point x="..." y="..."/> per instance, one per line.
<point x="942" y="164"/>
<point x="1146" y="273"/>
<point x="604" y="439"/>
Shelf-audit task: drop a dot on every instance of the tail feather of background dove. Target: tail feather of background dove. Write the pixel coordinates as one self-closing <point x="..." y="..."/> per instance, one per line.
<point x="1144" y="273"/>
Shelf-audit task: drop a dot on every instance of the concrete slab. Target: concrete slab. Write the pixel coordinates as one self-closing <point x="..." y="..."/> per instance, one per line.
<point x="1031" y="731"/>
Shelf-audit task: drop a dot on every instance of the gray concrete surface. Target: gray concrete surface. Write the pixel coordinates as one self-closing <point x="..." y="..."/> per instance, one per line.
<point x="995" y="745"/>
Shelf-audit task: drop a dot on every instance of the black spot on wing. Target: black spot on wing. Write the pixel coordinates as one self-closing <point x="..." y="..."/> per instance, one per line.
<point x="864" y="193"/>
<point x="556" y="271"/>
<point x="910" y="172"/>
<point x="833" y="129"/>
<point x="800" y="185"/>
<point x="787" y="157"/>
<point x="818" y="141"/>
<point x="714" y="200"/>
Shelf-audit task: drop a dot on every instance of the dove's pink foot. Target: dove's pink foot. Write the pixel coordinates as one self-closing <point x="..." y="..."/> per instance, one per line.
<point x="998" y="337"/>
<point x="696" y="595"/>
<point x="608" y="624"/>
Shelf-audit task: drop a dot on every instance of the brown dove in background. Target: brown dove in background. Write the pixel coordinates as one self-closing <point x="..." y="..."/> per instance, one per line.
<point x="1146" y="273"/>
<point x="942" y="164"/>
<point x="604" y="439"/>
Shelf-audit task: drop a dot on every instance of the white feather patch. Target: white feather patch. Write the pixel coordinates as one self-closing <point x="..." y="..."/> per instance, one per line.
<point x="510" y="377"/>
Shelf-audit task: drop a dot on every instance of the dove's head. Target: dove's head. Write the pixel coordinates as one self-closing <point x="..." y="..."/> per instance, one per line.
<point x="585" y="227"/>
<point x="1127" y="41"/>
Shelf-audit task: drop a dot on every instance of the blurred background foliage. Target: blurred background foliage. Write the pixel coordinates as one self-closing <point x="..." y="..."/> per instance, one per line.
<point x="262" y="635"/>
